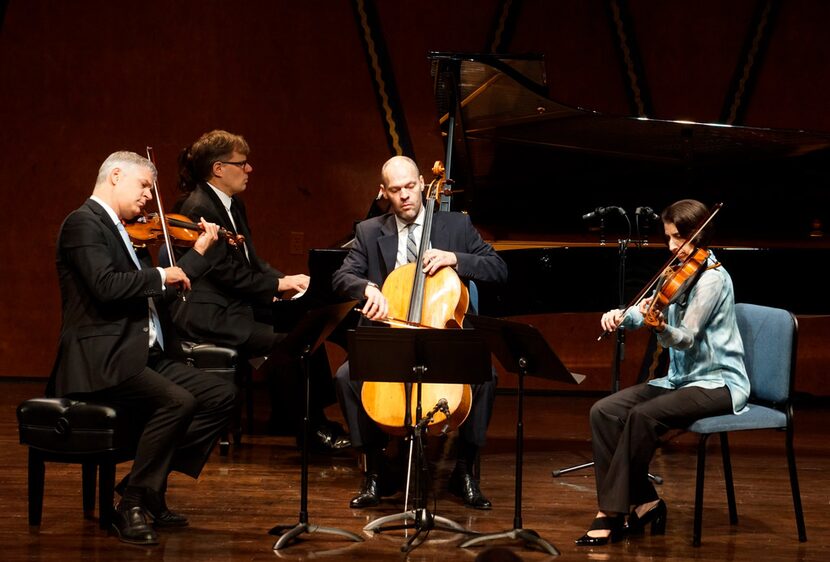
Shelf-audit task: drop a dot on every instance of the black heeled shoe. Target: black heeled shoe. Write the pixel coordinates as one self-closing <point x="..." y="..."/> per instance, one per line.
<point x="657" y="516"/>
<point x="613" y="524"/>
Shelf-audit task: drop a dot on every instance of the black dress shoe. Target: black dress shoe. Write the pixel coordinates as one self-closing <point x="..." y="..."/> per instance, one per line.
<point x="612" y="524"/>
<point x="329" y="437"/>
<point x="130" y="525"/>
<point x="160" y="514"/>
<point x="466" y="487"/>
<point x="657" y="516"/>
<point x="369" y="494"/>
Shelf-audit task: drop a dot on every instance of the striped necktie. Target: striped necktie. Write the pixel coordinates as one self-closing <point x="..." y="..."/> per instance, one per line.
<point x="154" y="315"/>
<point x="411" y="244"/>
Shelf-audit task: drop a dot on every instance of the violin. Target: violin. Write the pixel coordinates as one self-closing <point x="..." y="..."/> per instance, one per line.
<point x="147" y="229"/>
<point x="674" y="278"/>
<point x="673" y="283"/>
<point x="420" y="301"/>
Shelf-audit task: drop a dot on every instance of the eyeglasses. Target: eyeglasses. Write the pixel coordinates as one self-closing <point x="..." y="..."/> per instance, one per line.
<point x="241" y="165"/>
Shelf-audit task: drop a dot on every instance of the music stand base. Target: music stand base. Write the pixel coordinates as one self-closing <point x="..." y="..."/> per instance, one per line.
<point x="422" y="520"/>
<point x="531" y="539"/>
<point x="291" y="532"/>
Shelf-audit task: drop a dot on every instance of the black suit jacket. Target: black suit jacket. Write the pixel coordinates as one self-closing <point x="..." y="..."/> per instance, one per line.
<point x="105" y="322"/>
<point x="373" y="254"/>
<point x="220" y="308"/>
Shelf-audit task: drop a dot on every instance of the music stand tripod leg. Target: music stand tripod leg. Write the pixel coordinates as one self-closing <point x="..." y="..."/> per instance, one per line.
<point x="426" y="522"/>
<point x="530" y="537"/>
<point x="378" y="525"/>
<point x="291" y="532"/>
<point x="301" y="528"/>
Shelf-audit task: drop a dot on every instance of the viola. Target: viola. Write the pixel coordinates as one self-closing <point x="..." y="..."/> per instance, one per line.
<point x="148" y="230"/>
<point x="421" y="301"/>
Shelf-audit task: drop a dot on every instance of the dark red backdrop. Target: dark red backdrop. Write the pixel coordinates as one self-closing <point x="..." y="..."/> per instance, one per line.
<point x="82" y="79"/>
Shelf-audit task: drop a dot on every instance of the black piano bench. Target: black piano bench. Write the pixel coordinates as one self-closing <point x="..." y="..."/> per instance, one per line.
<point x="226" y="363"/>
<point x="95" y="436"/>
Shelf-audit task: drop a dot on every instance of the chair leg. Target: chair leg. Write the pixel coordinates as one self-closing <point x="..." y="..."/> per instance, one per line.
<point x="37" y="472"/>
<point x="727" y="476"/>
<point x="799" y="513"/>
<point x="247" y="384"/>
<point x="106" y="492"/>
<point x="88" y="481"/>
<point x="701" y="470"/>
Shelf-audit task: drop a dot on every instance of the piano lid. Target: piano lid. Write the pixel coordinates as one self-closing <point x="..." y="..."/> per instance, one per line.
<point x="527" y="166"/>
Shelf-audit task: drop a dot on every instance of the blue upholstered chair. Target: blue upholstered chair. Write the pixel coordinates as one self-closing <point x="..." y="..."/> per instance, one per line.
<point x="770" y="338"/>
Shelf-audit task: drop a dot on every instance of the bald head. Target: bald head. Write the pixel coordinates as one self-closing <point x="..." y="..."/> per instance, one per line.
<point x="402" y="186"/>
<point x="398" y="164"/>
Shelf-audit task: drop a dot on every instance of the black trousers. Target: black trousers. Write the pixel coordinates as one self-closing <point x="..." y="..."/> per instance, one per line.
<point x="625" y="429"/>
<point x="285" y="380"/>
<point x="178" y="413"/>
<point x="365" y="433"/>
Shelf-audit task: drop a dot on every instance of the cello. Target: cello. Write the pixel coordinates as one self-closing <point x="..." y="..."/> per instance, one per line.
<point x="420" y="301"/>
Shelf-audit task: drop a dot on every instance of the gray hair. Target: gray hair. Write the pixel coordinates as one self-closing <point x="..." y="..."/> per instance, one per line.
<point x="124" y="159"/>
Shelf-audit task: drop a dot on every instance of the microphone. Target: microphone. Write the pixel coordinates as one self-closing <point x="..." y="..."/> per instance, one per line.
<point x="441" y="406"/>
<point x="648" y="212"/>
<point x="602" y="211"/>
<point x="444" y="408"/>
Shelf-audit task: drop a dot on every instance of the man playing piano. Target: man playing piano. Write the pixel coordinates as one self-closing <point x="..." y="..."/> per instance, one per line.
<point x="380" y="247"/>
<point x="232" y="304"/>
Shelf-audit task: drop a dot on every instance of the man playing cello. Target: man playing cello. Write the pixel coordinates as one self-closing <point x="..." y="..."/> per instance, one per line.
<point x="382" y="244"/>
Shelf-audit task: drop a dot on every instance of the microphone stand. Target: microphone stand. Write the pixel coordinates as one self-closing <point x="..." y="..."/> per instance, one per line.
<point x="619" y="347"/>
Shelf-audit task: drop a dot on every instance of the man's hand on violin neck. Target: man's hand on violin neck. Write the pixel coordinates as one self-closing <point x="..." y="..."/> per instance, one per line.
<point x="177" y="277"/>
<point x="209" y="235"/>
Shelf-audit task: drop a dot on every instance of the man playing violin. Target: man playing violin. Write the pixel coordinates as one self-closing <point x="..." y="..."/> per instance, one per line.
<point x="706" y="377"/>
<point x="232" y="304"/>
<point x="118" y="345"/>
<point x="381" y="245"/>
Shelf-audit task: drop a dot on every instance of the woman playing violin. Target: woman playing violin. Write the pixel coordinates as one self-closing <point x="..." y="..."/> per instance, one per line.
<point x="706" y="377"/>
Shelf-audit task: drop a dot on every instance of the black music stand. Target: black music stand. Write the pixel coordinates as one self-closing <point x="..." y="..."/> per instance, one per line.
<point x="413" y="357"/>
<point x="521" y="349"/>
<point x="309" y="334"/>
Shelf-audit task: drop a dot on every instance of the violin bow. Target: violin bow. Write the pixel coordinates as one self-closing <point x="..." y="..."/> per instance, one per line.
<point x="167" y="242"/>
<point x="165" y="231"/>
<point x="641" y="295"/>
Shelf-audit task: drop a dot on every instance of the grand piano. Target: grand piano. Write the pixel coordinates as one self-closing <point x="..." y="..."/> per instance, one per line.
<point x="527" y="169"/>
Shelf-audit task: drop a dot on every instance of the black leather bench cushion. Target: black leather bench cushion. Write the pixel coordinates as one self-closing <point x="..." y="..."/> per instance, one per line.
<point x="207" y="356"/>
<point x="62" y="425"/>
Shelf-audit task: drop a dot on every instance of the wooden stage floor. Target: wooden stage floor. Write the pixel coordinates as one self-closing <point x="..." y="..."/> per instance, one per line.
<point x="238" y="498"/>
